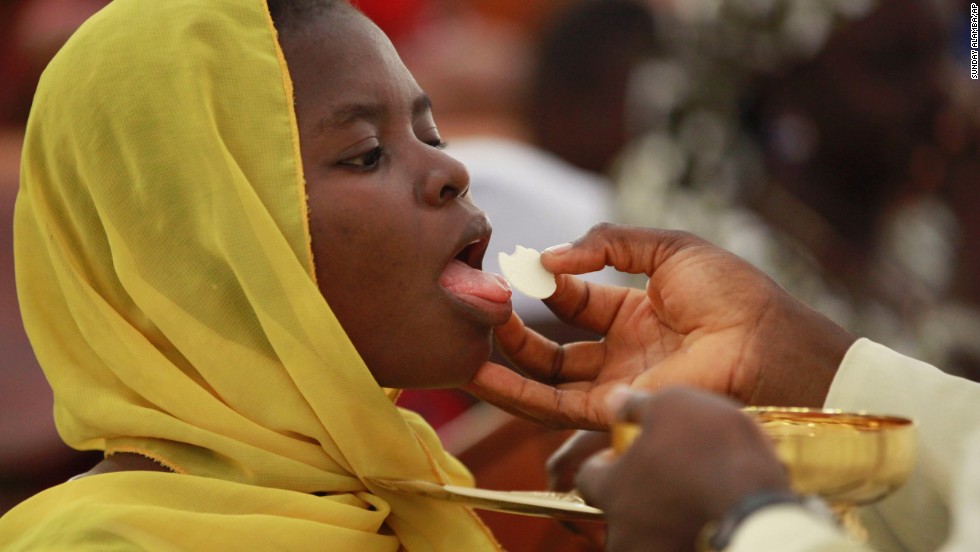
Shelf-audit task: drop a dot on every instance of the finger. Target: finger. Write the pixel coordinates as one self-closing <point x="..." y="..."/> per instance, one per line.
<point x="565" y="408"/>
<point x="593" y="477"/>
<point x="592" y="532"/>
<point x="631" y="249"/>
<point x="564" y="463"/>
<point x="677" y="402"/>
<point x="512" y="336"/>
<point x="617" y="398"/>
<point x="545" y="360"/>
<point x="636" y="407"/>
<point x="532" y="400"/>
<point x="589" y="305"/>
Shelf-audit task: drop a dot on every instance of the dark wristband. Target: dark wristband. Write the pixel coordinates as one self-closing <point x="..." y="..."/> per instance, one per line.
<point x="717" y="535"/>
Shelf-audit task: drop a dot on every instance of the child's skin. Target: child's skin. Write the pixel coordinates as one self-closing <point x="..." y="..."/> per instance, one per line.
<point x="388" y="209"/>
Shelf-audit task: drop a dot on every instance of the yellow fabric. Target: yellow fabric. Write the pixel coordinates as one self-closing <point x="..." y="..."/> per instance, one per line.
<point x="167" y="286"/>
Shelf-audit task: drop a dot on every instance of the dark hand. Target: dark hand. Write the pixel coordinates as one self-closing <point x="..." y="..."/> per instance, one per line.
<point x="696" y="457"/>
<point x="564" y="463"/>
<point x="707" y="319"/>
<point x="563" y="466"/>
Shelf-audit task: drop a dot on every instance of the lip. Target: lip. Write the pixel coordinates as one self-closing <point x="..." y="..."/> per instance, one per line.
<point x="473" y="242"/>
<point x="488" y="313"/>
<point x="470" y="249"/>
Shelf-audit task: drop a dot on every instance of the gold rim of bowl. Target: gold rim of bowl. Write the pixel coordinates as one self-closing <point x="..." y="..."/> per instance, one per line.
<point x="845" y="457"/>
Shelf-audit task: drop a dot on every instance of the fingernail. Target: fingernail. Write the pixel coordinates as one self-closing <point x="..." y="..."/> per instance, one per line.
<point x="558" y="249"/>
<point x="617" y="398"/>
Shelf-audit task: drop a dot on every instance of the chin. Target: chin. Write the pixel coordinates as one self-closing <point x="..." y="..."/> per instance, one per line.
<point x="464" y="360"/>
<point x="447" y="363"/>
<point x="458" y="365"/>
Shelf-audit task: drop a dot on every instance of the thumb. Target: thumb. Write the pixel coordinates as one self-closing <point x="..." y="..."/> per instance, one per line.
<point x="579" y="257"/>
<point x="593" y="477"/>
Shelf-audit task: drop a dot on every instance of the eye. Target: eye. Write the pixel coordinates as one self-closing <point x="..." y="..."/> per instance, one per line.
<point x="366" y="161"/>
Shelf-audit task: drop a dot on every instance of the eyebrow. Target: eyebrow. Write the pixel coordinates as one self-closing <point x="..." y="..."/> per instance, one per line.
<point x="371" y="112"/>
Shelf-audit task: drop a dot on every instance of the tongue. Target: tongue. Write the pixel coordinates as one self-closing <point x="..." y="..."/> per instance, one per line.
<point x="461" y="279"/>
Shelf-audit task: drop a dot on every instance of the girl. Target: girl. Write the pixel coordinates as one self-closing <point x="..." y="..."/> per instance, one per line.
<point x="231" y="243"/>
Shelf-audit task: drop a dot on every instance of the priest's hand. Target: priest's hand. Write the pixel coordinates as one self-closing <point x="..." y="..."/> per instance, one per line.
<point x="707" y="319"/>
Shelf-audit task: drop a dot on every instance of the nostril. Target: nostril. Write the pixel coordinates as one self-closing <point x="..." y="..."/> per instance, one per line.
<point x="448" y="192"/>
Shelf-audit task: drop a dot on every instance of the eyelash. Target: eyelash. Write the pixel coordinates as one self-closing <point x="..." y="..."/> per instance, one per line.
<point x="372" y="159"/>
<point x="367" y="161"/>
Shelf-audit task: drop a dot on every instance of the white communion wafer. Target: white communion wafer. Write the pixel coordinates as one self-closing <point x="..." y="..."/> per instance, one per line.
<point x="524" y="271"/>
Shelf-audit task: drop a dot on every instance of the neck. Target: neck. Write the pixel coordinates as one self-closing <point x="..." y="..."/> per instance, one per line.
<point x="125" y="461"/>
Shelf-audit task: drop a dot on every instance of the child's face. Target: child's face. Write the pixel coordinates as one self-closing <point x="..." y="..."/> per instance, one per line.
<point x="389" y="210"/>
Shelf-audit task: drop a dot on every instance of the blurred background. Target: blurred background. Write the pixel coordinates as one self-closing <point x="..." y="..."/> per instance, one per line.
<point x="833" y="143"/>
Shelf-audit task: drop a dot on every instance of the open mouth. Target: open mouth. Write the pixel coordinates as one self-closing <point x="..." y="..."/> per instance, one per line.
<point x="464" y="279"/>
<point x="472" y="254"/>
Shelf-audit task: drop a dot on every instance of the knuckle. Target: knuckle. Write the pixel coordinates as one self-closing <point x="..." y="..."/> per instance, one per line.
<point x="557" y="365"/>
<point x="600" y="232"/>
<point x="583" y="303"/>
<point x="602" y="228"/>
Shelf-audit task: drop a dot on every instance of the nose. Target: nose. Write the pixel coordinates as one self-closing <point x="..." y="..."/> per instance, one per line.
<point x="445" y="179"/>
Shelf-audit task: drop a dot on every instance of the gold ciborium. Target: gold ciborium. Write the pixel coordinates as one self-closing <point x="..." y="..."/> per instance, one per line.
<point x="847" y="459"/>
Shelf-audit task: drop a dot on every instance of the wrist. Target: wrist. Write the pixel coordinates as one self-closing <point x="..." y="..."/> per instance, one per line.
<point x="802" y="351"/>
<point x="717" y="535"/>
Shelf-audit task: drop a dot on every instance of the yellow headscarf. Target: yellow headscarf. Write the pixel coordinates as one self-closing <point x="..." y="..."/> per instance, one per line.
<point x="167" y="286"/>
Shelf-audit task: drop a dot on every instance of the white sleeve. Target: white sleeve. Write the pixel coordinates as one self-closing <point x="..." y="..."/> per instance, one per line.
<point x="965" y="535"/>
<point x="790" y="528"/>
<point x="946" y="410"/>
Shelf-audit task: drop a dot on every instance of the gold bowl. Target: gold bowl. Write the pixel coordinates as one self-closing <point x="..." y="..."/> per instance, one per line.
<point x="845" y="458"/>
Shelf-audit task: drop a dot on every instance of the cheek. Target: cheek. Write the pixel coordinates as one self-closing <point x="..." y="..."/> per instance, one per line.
<point x="367" y="268"/>
<point x="360" y="254"/>
<point x="377" y="264"/>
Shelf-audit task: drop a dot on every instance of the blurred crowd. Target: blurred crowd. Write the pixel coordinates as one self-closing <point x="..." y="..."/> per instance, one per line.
<point x="834" y="143"/>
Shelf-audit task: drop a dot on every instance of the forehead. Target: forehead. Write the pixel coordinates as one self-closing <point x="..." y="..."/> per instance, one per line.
<point x="342" y="58"/>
